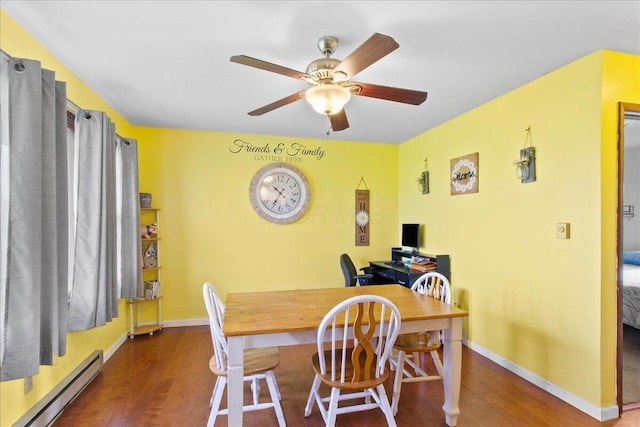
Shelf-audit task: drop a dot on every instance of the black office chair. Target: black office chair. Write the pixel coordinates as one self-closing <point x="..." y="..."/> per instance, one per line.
<point x="351" y="276"/>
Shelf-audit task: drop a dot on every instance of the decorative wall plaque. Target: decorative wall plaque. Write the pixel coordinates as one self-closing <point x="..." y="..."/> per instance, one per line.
<point x="465" y="174"/>
<point x="362" y="216"/>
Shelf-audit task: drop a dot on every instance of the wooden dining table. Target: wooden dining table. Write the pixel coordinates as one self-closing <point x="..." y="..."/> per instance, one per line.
<point x="280" y="318"/>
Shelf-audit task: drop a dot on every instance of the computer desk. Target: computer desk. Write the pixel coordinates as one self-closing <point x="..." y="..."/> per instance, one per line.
<point x="395" y="271"/>
<point x="385" y="271"/>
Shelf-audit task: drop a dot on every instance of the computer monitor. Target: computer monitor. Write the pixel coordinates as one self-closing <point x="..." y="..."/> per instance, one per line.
<point x="411" y="235"/>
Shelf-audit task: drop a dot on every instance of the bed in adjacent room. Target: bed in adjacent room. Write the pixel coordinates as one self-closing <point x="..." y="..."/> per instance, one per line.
<point x="631" y="289"/>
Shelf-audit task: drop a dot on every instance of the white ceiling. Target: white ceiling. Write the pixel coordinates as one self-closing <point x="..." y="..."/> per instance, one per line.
<point x="166" y="63"/>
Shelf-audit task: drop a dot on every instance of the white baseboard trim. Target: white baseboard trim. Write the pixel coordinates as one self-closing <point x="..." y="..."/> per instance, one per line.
<point x="185" y="322"/>
<point x="601" y="414"/>
<point x="114" y="347"/>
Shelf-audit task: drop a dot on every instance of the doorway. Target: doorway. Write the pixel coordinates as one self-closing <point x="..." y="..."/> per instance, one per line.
<point x="628" y="247"/>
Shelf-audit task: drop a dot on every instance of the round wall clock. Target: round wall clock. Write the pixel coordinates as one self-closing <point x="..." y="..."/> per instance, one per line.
<point x="279" y="193"/>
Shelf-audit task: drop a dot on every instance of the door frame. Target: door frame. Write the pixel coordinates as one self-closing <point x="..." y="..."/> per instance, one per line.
<point x="623" y="109"/>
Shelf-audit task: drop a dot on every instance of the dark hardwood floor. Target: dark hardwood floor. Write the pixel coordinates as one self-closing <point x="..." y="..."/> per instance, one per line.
<point x="631" y="366"/>
<point x="164" y="380"/>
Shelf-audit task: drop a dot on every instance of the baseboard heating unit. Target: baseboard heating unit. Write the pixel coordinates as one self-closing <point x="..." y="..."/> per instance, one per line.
<point x="51" y="405"/>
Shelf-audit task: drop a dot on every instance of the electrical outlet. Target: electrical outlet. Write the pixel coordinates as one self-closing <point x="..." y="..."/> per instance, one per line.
<point x="562" y="230"/>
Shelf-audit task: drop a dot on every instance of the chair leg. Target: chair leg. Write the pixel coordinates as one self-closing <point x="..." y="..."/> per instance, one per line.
<point x="255" y="389"/>
<point x="275" y="382"/>
<point x="438" y="363"/>
<point x="397" y="382"/>
<point x="312" y="395"/>
<point x="393" y="359"/>
<point x="384" y="405"/>
<point x="414" y="363"/>
<point x="273" y="390"/>
<point x="218" y="389"/>
<point x="333" y="407"/>
<point x="416" y="358"/>
<point x="213" y="393"/>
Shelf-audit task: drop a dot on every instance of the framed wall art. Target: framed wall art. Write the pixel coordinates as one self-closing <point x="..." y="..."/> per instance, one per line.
<point x="465" y="174"/>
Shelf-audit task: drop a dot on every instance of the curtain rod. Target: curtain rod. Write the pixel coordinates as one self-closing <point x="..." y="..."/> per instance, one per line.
<point x="19" y="67"/>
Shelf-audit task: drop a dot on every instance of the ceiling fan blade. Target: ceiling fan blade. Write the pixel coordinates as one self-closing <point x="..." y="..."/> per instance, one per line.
<point x="339" y="121"/>
<point x="279" y="103"/>
<point x="268" y="66"/>
<point x="372" y="50"/>
<point x="406" y="96"/>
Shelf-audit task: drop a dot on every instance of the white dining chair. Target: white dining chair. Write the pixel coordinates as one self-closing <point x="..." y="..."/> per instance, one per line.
<point x="355" y="366"/>
<point x="259" y="364"/>
<point x="406" y="362"/>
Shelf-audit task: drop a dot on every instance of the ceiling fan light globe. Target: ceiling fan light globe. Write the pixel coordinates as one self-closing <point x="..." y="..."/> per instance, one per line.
<point x="328" y="98"/>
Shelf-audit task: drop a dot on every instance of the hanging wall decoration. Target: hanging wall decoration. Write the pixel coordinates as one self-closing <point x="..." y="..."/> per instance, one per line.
<point x="465" y="174"/>
<point x="526" y="163"/>
<point x="423" y="179"/>
<point x="362" y="215"/>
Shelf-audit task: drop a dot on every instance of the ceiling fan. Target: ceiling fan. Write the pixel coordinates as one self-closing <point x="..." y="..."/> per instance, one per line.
<point x="329" y="79"/>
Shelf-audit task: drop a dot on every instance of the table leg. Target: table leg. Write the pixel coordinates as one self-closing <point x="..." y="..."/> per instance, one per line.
<point x="234" y="386"/>
<point x="452" y="370"/>
<point x="131" y="318"/>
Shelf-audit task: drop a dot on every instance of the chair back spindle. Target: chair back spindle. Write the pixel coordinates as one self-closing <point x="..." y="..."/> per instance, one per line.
<point x="215" y="309"/>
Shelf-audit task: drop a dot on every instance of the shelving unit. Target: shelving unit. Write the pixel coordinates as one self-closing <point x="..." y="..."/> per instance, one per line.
<point x="135" y="328"/>
<point x="148" y="294"/>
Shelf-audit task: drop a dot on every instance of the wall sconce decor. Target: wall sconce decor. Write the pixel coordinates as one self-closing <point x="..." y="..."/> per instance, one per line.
<point x="423" y="180"/>
<point x="526" y="164"/>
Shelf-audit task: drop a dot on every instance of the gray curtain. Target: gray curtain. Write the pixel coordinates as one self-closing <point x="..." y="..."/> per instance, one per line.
<point x="33" y="218"/>
<point x="128" y="202"/>
<point x="94" y="294"/>
<point x="69" y="219"/>
<point x="105" y="243"/>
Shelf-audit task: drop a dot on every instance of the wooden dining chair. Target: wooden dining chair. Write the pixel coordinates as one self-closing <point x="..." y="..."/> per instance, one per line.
<point x="259" y="364"/>
<point x="410" y="346"/>
<point x="355" y="365"/>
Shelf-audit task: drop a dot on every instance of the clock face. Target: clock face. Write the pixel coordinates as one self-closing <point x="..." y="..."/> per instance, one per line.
<point x="279" y="193"/>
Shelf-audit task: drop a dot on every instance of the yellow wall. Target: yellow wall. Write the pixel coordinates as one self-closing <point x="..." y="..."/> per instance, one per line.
<point x="211" y="233"/>
<point x="534" y="299"/>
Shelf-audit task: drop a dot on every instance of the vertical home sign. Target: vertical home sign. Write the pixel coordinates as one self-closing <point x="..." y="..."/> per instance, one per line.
<point x="362" y="217"/>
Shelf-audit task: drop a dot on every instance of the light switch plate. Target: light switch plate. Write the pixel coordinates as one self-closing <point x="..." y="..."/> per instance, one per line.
<point x="562" y="230"/>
